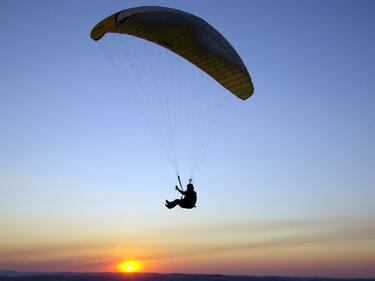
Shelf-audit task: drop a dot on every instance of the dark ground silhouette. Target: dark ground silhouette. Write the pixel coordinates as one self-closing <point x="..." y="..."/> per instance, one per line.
<point x="18" y="276"/>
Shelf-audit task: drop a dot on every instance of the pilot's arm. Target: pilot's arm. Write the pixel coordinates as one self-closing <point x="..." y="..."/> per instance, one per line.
<point x="179" y="190"/>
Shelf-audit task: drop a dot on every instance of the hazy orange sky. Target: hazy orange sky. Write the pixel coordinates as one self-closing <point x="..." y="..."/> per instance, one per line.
<point x="329" y="247"/>
<point x="287" y="189"/>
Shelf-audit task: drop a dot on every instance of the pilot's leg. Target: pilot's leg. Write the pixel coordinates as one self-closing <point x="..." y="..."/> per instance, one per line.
<point x="172" y="204"/>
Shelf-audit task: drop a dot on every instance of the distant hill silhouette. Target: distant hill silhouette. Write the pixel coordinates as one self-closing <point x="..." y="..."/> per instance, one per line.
<point x="67" y="276"/>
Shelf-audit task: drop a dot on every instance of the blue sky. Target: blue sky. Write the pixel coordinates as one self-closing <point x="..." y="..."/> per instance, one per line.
<point x="300" y="149"/>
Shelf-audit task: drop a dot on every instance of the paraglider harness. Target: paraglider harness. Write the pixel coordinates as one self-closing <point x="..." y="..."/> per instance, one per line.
<point x="179" y="181"/>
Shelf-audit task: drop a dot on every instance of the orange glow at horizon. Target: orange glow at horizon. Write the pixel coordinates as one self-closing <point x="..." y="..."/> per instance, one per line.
<point x="129" y="266"/>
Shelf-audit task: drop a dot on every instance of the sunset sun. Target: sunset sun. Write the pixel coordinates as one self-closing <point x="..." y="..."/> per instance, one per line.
<point x="129" y="266"/>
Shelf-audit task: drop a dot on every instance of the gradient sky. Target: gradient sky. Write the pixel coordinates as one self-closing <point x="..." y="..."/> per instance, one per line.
<point x="289" y="189"/>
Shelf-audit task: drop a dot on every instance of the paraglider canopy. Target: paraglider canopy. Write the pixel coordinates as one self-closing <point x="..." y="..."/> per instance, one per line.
<point x="167" y="75"/>
<point x="186" y="35"/>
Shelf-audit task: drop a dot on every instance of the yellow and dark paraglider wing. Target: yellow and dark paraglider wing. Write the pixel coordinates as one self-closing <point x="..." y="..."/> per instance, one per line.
<point x="186" y="35"/>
